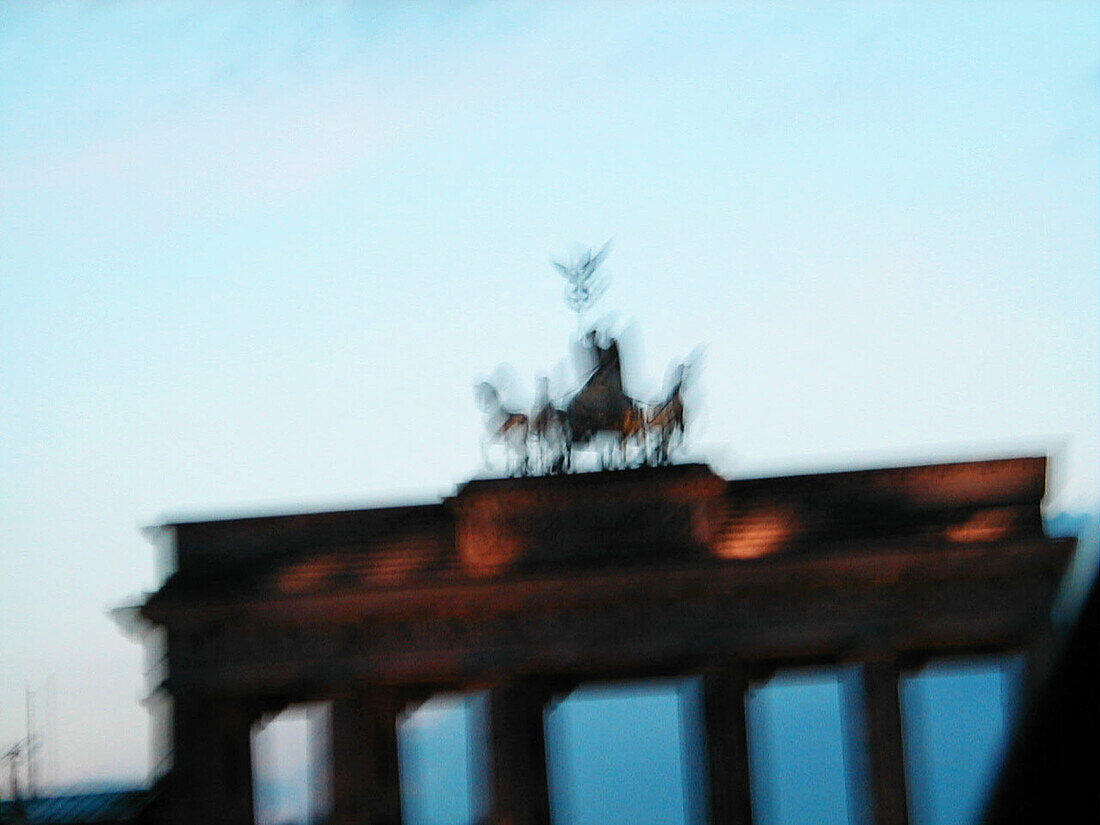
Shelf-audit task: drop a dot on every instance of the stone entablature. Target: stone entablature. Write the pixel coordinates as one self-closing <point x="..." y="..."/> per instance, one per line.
<point x="949" y="600"/>
<point x="535" y="572"/>
<point x="500" y="528"/>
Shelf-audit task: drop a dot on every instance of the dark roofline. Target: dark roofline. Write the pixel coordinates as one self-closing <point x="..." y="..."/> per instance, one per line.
<point x="254" y="519"/>
<point x="864" y="472"/>
<point x="439" y="507"/>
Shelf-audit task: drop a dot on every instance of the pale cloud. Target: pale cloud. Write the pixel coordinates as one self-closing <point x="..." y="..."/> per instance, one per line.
<point x="264" y="115"/>
<point x="254" y="148"/>
<point x="244" y="137"/>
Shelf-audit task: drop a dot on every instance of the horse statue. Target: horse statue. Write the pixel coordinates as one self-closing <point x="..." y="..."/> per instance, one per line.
<point x="508" y="427"/>
<point x="601" y="406"/>
<point x="665" y="420"/>
<point x="551" y="432"/>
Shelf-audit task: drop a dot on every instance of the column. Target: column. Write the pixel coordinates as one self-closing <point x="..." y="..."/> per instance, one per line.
<point x="727" y="746"/>
<point x="366" y="781"/>
<point x="884" y="750"/>
<point x="517" y="746"/>
<point x="211" y="778"/>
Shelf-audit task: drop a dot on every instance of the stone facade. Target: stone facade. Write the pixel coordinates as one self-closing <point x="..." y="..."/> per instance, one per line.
<point x="528" y="587"/>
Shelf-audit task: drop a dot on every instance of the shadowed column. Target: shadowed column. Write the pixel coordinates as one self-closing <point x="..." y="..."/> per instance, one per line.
<point x="726" y="738"/>
<point x="366" y="783"/>
<point x="517" y="744"/>
<point x="884" y="750"/>
<point x="211" y="778"/>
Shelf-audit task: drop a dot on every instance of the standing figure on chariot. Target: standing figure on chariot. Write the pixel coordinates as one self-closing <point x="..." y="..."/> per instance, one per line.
<point x="601" y="403"/>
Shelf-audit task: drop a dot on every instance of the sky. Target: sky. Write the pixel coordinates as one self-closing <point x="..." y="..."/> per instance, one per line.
<point x="255" y="257"/>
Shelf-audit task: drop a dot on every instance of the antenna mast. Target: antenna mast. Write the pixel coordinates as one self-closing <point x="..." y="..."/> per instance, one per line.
<point x="32" y="747"/>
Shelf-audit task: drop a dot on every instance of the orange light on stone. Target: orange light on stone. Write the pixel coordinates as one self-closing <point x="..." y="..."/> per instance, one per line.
<point x="757" y="533"/>
<point x="307" y="576"/>
<point x="985" y="525"/>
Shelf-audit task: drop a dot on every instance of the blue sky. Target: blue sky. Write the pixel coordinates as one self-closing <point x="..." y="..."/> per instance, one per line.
<point x="255" y="257"/>
<point x="634" y="755"/>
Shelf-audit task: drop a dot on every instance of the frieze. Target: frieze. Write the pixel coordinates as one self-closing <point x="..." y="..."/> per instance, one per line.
<point x="619" y="632"/>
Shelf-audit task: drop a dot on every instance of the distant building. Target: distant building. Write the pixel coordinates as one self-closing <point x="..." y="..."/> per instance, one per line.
<point x="133" y="807"/>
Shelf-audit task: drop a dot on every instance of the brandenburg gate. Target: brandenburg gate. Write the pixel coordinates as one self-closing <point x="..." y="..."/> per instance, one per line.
<point x="528" y="587"/>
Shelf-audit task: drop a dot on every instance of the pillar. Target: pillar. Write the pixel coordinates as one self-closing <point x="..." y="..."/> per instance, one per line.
<point x="517" y="746"/>
<point x="366" y="780"/>
<point x="727" y="746"/>
<point x="883" y="745"/>
<point x="211" y="778"/>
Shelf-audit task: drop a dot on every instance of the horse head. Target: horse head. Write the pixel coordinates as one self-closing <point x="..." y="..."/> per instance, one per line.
<point x="487" y="398"/>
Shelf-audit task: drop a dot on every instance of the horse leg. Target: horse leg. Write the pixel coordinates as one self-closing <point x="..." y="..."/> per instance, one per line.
<point x="484" y="452"/>
<point x="624" y="448"/>
<point x="567" y="446"/>
<point x="557" y="457"/>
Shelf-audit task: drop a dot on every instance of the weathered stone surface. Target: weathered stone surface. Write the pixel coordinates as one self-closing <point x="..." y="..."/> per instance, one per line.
<point x="514" y="584"/>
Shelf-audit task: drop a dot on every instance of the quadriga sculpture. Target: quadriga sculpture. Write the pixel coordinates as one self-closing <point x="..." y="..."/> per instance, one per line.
<point x="599" y="414"/>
